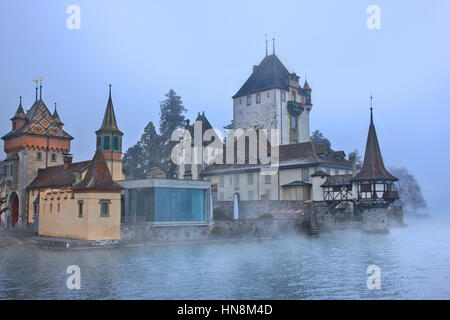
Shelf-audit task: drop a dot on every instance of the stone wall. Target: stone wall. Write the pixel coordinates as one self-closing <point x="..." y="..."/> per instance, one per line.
<point x="256" y="208"/>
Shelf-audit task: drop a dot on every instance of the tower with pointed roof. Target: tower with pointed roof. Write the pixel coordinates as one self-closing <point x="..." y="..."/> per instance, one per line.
<point x="272" y="98"/>
<point x="374" y="185"/>
<point x="36" y="141"/>
<point x="109" y="141"/>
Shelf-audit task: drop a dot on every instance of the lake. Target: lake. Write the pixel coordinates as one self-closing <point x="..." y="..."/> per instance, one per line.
<point x="414" y="264"/>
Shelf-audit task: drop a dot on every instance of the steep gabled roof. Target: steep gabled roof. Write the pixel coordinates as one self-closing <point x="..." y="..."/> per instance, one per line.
<point x="39" y="121"/>
<point x="338" y="180"/>
<point x="109" y="124"/>
<point x="269" y="74"/>
<point x="98" y="177"/>
<point x="373" y="166"/>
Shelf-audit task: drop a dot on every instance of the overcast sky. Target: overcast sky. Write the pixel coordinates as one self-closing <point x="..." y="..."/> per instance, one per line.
<point x="205" y="51"/>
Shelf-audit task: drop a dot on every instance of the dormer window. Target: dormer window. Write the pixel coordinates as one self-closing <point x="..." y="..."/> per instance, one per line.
<point x="249" y="100"/>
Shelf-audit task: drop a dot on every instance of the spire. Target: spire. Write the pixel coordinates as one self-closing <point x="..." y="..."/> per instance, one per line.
<point x="266" y="46"/>
<point x="273" y="47"/>
<point x="306" y="85"/>
<point x="36" y="82"/>
<point x="373" y="166"/>
<point x="40" y="92"/>
<point x="20" y="114"/>
<point x="109" y="120"/>
<point x="371" y="109"/>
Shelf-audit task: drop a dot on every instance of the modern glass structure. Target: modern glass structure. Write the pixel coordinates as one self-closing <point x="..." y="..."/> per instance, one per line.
<point x="163" y="201"/>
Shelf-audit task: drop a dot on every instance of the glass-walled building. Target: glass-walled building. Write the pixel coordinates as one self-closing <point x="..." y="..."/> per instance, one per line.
<point x="164" y="201"/>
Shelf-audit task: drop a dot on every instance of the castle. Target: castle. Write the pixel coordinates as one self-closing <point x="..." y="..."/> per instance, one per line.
<point x="41" y="181"/>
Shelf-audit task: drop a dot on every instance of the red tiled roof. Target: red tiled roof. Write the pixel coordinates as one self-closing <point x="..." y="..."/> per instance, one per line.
<point x="98" y="177"/>
<point x="57" y="176"/>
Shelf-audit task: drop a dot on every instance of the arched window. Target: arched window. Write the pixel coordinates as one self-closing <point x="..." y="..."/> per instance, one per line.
<point x="116" y="143"/>
<point x="106" y="143"/>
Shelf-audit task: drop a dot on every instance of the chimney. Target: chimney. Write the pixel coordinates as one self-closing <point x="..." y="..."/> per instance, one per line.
<point x="67" y="161"/>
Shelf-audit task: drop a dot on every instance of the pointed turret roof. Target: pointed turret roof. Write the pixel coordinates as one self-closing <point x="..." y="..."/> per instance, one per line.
<point x="20" y="114"/>
<point x="109" y="120"/>
<point x="373" y="166"/>
<point x="269" y="74"/>
<point x="98" y="177"/>
<point x="40" y="122"/>
<point x="306" y="85"/>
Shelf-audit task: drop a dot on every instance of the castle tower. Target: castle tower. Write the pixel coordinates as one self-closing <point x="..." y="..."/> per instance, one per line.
<point x="35" y="142"/>
<point x="109" y="141"/>
<point x="272" y="98"/>
<point x="374" y="185"/>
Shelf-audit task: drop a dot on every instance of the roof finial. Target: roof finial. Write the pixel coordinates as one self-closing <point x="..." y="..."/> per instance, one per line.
<point x="55" y="106"/>
<point x="36" y="82"/>
<point x="20" y="100"/>
<point x="273" y="41"/>
<point x="266" y="46"/>
<point x="40" y="92"/>
<point x="110" y="90"/>
<point x="371" y="108"/>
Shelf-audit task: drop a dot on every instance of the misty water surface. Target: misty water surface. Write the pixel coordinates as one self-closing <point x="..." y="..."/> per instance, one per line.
<point x="415" y="264"/>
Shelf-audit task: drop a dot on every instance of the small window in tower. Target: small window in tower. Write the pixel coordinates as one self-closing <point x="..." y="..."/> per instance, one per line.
<point x="104" y="208"/>
<point x="249" y="100"/>
<point x="294" y="122"/>
<point x="283" y="96"/>
<point x="106" y="143"/>
<point x="53" y="157"/>
<point x="258" y="98"/>
<point x="80" y="208"/>
<point x="293" y="95"/>
<point x="38" y="156"/>
<point x="99" y="142"/>
<point x="116" y="143"/>
<point x="14" y="126"/>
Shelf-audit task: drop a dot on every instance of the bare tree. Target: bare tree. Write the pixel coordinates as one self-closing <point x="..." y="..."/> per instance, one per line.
<point x="355" y="154"/>
<point x="3" y="206"/>
<point x="409" y="190"/>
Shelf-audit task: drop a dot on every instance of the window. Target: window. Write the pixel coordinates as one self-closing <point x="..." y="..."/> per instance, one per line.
<point x="104" y="208"/>
<point x="5" y="171"/>
<point x="177" y="204"/>
<point x="51" y="207"/>
<point x="249" y="100"/>
<point x="268" y="94"/>
<point x="59" y="207"/>
<point x="80" y="208"/>
<point x="106" y="143"/>
<point x="293" y="95"/>
<point x="99" y="142"/>
<point x="221" y="181"/>
<point x="14" y="126"/>
<point x="267" y="179"/>
<point x="231" y="180"/>
<point x="250" y="195"/>
<point x="236" y="180"/>
<point x="116" y="143"/>
<point x="328" y="170"/>
<point x="221" y="197"/>
<point x="258" y="98"/>
<point x="293" y="122"/>
<point x="250" y="178"/>
<point x="366" y="187"/>
<point x="336" y="171"/>
<point x="240" y="100"/>
<point x="283" y="96"/>
<point x="38" y="156"/>
<point x="53" y="157"/>
<point x="305" y="174"/>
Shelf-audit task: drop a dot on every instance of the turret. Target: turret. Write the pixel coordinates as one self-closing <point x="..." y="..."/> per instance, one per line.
<point x="109" y="141"/>
<point x="19" y="119"/>
<point x="56" y="117"/>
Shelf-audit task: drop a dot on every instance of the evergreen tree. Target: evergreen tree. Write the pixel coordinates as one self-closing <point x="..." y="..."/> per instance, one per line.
<point x="134" y="162"/>
<point x="318" y="137"/>
<point x="171" y="118"/>
<point x="355" y="154"/>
